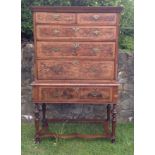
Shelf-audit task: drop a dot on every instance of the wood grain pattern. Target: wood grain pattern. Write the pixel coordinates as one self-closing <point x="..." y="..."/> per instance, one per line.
<point x="80" y="33"/>
<point x="96" y="50"/>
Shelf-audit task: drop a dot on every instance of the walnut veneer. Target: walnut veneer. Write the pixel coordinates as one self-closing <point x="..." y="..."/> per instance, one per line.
<point x="76" y="51"/>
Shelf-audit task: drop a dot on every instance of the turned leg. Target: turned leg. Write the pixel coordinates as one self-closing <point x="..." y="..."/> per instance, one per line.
<point x="114" y="112"/>
<point x="106" y="124"/>
<point x="108" y="112"/>
<point x="37" y="119"/>
<point x="44" y="120"/>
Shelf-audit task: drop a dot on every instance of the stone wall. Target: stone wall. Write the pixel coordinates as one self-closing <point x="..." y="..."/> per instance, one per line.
<point x="125" y="104"/>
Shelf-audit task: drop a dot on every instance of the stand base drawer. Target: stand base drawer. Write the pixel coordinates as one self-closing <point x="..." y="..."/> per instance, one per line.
<point x="75" y="94"/>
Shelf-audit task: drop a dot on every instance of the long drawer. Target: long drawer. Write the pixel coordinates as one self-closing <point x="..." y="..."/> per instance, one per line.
<point x="75" y="69"/>
<point x="75" y="94"/>
<point x="99" y="50"/>
<point x="72" y="33"/>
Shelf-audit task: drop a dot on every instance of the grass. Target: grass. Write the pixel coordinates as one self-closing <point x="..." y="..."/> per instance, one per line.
<point x="123" y="146"/>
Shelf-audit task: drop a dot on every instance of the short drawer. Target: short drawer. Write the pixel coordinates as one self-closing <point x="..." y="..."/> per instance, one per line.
<point x="75" y="94"/>
<point x="100" y="50"/>
<point x="75" y="69"/>
<point x="96" y="18"/>
<point x="74" y="33"/>
<point x="55" y="18"/>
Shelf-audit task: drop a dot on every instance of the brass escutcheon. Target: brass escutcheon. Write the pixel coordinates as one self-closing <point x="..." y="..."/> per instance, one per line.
<point x="56" y="31"/>
<point x="76" y="45"/>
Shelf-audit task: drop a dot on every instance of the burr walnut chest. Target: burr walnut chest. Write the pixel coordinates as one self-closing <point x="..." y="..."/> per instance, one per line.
<point x="76" y="50"/>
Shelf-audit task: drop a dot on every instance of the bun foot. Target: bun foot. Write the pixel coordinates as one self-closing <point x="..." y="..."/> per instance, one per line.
<point x="113" y="140"/>
<point x="37" y="140"/>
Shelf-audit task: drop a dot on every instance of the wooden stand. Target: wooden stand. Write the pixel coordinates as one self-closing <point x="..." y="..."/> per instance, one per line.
<point x="44" y="133"/>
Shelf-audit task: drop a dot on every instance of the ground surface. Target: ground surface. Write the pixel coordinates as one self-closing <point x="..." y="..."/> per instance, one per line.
<point x="123" y="146"/>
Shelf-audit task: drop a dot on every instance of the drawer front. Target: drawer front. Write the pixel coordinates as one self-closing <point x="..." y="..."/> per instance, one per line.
<point x="103" y="50"/>
<point x="75" y="69"/>
<point x="75" y="94"/>
<point x="55" y="18"/>
<point x="96" y="18"/>
<point x="76" y="33"/>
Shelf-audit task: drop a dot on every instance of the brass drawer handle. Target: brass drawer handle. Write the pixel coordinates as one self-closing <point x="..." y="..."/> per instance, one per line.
<point x="55" y="94"/>
<point x="75" y="62"/>
<point x="75" y="29"/>
<point x="93" y="69"/>
<point x="57" y="69"/>
<point x="95" y="94"/>
<point x="56" y="16"/>
<point x="96" y="32"/>
<point x="51" y="49"/>
<point x="96" y="17"/>
<point x="40" y="17"/>
<point x="95" y="49"/>
<point x="55" y="49"/>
